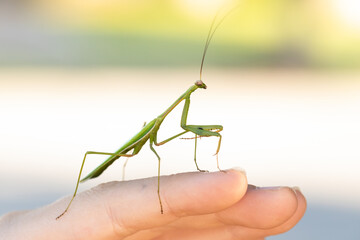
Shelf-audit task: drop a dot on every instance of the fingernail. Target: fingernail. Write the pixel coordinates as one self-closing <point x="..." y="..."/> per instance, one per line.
<point x="252" y="187"/>
<point x="296" y="189"/>
<point x="238" y="169"/>
<point x="270" y="188"/>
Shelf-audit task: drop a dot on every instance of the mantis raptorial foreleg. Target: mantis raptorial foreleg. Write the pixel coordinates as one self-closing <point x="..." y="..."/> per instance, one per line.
<point x="201" y="130"/>
<point x="204" y="131"/>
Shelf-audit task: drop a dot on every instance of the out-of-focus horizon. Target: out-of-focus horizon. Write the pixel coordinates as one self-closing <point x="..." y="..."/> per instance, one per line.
<point x="315" y="34"/>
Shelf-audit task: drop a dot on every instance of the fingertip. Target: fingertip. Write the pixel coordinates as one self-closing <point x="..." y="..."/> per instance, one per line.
<point x="239" y="182"/>
<point x="294" y="219"/>
<point x="283" y="203"/>
<point x="262" y="208"/>
<point x="302" y="202"/>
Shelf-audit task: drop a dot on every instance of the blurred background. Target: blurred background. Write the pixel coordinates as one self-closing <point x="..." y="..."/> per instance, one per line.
<point x="283" y="79"/>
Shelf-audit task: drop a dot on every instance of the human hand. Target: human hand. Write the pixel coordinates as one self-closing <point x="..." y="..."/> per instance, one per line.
<point x="197" y="205"/>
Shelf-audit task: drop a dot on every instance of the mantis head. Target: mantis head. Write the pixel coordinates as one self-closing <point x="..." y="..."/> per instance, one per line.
<point x="200" y="84"/>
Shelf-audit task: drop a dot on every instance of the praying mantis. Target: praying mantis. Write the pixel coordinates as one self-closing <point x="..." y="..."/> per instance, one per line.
<point x="150" y="130"/>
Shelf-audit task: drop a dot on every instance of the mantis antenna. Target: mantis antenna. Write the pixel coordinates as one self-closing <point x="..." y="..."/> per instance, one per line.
<point x="211" y="33"/>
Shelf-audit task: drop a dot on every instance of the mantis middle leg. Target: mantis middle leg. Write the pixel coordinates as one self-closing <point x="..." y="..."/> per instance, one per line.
<point x="158" y="188"/>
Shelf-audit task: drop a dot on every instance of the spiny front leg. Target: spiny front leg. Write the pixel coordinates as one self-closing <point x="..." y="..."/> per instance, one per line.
<point x="207" y="131"/>
<point x="201" y="130"/>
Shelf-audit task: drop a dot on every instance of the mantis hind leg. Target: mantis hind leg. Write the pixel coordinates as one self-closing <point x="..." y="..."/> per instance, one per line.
<point x="81" y="168"/>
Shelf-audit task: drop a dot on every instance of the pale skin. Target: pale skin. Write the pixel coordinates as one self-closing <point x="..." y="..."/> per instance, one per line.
<point x="197" y="205"/>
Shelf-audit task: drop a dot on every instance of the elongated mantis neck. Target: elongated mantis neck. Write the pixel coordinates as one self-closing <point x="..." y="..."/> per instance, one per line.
<point x="198" y="84"/>
<point x="182" y="97"/>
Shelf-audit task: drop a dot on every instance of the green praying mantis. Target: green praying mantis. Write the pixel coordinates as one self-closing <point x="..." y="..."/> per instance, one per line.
<point x="150" y="130"/>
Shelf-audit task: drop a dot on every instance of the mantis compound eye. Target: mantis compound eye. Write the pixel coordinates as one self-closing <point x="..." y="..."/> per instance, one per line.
<point x="200" y="84"/>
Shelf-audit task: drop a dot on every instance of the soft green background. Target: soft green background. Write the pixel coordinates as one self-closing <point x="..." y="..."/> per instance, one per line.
<point x="307" y="33"/>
